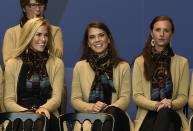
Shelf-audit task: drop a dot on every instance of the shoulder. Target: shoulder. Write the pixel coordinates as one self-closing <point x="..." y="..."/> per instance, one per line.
<point x="14" y="28"/>
<point x="55" y="28"/>
<point x="179" y="58"/>
<point x="123" y="65"/>
<point x="13" y="63"/>
<point x="55" y="61"/>
<point x="139" y="60"/>
<point x="81" y="64"/>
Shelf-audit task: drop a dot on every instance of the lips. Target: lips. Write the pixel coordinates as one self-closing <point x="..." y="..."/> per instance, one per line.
<point x="98" y="45"/>
<point x="161" y="39"/>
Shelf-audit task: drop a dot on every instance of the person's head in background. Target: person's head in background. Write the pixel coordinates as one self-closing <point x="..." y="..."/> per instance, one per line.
<point x="35" y="35"/>
<point x="98" y="40"/>
<point x="32" y="9"/>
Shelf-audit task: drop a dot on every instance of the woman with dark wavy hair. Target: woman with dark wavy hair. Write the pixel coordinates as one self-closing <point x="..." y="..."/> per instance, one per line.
<point x="160" y="82"/>
<point x="101" y="79"/>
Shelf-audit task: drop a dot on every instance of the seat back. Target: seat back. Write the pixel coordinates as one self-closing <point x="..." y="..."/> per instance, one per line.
<point x="23" y="116"/>
<point x="71" y="118"/>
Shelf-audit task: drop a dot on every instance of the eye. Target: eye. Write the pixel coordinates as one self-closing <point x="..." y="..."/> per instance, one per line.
<point x="167" y="30"/>
<point x="38" y="34"/>
<point x="46" y="35"/>
<point x="91" y="37"/>
<point x="157" y="29"/>
<point x="101" y="34"/>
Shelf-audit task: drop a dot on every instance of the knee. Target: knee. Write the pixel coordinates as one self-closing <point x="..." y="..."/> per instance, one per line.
<point x="112" y="110"/>
<point x="167" y="113"/>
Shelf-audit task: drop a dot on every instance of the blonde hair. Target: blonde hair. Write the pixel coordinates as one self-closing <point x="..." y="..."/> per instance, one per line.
<point x="28" y="31"/>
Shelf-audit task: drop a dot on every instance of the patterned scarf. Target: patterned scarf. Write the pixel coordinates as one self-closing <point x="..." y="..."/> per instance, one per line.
<point x="36" y="62"/>
<point x="162" y="85"/>
<point x="33" y="86"/>
<point x="102" y="86"/>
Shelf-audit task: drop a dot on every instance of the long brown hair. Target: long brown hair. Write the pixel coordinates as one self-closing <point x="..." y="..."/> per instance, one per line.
<point x="148" y="47"/>
<point x="24" y="3"/>
<point x="86" y="49"/>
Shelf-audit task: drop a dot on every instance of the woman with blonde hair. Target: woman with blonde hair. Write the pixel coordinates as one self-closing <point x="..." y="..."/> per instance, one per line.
<point x="30" y="9"/>
<point x="34" y="77"/>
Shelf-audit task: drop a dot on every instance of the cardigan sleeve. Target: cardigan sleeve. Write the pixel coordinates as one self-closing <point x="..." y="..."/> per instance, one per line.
<point x="1" y="89"/>
<point x="190" y="100"/>
<point x="183" y="86"/>
<point x="138" y="90"/>
<point x="10" y="90"/>
<point x="76" y="94"/>
<point x="57" y="78"/>
<point x="124" y="89"/>
<point x="58" y="43"/>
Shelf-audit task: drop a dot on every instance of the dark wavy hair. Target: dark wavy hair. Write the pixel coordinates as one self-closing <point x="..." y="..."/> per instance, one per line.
<point x="24" y="3"/>
<point x="86" y="49"/>
<point x="147" y="49"/>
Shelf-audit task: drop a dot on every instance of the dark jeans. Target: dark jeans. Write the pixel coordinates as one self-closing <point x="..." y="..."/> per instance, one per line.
<point x="164" y="120"/>
<point x="191" y="128"/>
<point x="121" y="121"/>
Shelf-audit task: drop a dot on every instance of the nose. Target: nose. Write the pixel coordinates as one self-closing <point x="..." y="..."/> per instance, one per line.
<point x="98" y="38"/>
<point x="37" y="8"/>
<point x="43" y="38"/>
<point x="162" y="33"/>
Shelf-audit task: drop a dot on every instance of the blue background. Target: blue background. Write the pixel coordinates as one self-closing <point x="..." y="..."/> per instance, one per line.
<point x="128" y="21"/>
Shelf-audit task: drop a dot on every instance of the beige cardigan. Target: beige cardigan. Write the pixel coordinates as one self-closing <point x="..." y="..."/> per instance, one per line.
<point x="141" y="89"/>
<point x="1" y="89"/>
<point x="55" y="69"/>
<point x="12" y="35"/>
<point x="190" y="100"/>
<point x="83" y="76"/>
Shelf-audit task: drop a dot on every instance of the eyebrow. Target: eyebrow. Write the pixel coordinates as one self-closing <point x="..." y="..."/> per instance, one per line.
<point x="97" y="34"/>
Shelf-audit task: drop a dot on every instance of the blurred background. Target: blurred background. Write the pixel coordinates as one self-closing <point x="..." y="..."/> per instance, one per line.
<point x="128" y="21"/>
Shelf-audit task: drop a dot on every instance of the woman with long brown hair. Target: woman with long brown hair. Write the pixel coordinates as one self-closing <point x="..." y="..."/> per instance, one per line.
<point x="101" y="79"/>
<point x="160" y="81"/>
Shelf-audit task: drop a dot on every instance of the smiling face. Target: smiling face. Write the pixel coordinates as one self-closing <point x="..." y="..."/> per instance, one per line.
<point x="40" y="39"/>
<point x="162" y="33"/>
<point x="98" y="40"/>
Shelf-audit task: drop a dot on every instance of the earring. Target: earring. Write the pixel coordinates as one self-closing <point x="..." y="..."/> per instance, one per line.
<point x="153" y="42"/>
<point x="26" y="51"/>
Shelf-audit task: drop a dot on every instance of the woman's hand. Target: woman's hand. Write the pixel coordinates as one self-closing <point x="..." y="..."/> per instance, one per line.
<point x="98" y="106"/>
<point x="165" y="103"/>
<point x="44" y="111"/>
